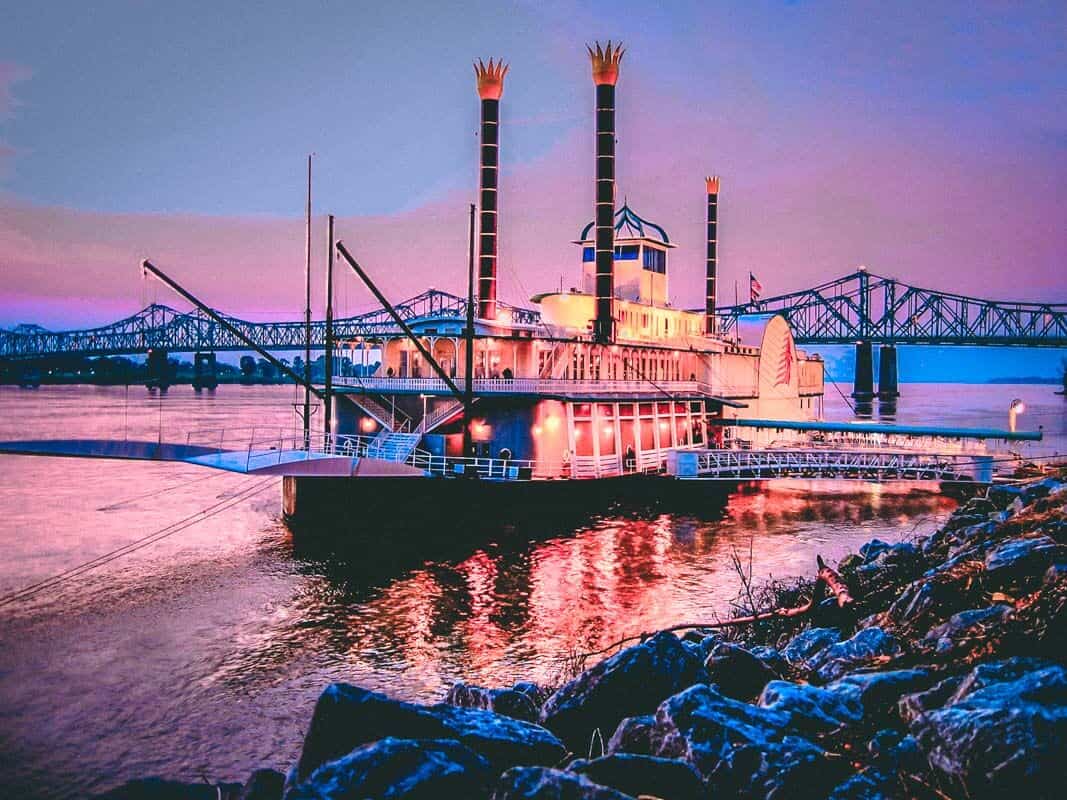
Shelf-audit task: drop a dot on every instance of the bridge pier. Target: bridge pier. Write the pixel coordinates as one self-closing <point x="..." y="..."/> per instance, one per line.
<point x="205" y="372"/>
<point x="160" y="374"/>
<point x="863" y="384"/>
<point x="888" y="383"/>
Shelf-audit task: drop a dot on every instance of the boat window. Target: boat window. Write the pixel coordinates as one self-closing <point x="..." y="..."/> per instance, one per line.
<point x="588" y="254"/>
<point x="626" y="252"/>
<point x="655" y="260"/>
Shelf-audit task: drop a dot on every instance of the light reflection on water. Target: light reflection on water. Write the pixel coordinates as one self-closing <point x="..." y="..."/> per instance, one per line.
<point x="204" y="653"/>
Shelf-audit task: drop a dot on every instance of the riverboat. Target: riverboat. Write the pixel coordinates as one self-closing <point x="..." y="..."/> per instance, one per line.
<point x="600" y="382"/>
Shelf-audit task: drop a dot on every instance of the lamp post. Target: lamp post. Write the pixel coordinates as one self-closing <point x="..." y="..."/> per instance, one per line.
<point x="1016" y="408"/>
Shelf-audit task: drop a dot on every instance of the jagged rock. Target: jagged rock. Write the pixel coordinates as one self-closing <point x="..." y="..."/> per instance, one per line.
<point x="160" y="789"/>
<point x="805" y="645"/>
<point x="868" y="647"/>
<point x="643" y="775"/>
<point x="967" y="630"/>
<point x="938" y="594"/>
<point x="424" y="769"/>
<point x="771" y="657"/>
<point x="1018" y="559"/>
<point x="877" y="693"/>
<point x="1043" y="488"/>
<point x="1002" y="495"/>
<point x="509" y="702"/>
<point x="872" y="549"/>
<point x="347" y="716"/>
<point x="263" y="784"/>
<point x="539" y="783"/>
<point x="811" y="709"/>
<point x="980" y="505"/>
<point x="737" y="672"/>
<point x="537" y="694"/>
<point x="633" y="735"/>
<point x="630" y="683"/>
<point x="740" y="748"/>
<point x="1003" y="731"/>
<point x="912" y="705"/>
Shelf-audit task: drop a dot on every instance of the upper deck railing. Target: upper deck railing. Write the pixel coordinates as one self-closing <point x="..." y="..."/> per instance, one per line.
<point x="554" y="386"/>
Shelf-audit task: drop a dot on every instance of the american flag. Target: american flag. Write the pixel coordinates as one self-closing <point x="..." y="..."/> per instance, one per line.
<point x="755" y="289"/>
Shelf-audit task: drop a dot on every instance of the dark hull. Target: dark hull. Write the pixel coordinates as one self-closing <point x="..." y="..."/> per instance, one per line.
<point x="359" y="507"/>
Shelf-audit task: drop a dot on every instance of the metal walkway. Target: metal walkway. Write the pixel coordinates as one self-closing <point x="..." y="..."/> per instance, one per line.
<point x="804" y="464"/>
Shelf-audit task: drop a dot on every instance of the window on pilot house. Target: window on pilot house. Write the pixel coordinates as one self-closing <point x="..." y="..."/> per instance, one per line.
<point x="655" y="260"/>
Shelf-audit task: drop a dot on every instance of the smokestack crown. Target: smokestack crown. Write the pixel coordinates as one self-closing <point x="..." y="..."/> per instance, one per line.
<point x="490" y="78"/>
<point x="605" y="63"/>
<point x="713" y="184"/>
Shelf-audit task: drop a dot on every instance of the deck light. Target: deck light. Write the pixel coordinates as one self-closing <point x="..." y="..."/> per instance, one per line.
<point x="367" y="425"/>
<point x="552" y="422"/>
<point x="1016" y="408"/>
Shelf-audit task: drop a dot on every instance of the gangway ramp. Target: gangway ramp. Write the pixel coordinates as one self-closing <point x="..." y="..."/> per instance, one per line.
<point x="818" y="464"/>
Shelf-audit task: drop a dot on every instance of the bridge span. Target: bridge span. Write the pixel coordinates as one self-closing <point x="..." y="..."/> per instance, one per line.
<point x="861" y="309"/>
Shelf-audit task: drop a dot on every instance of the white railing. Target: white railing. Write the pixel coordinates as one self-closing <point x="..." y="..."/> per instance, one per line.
<point x="552" y="386"/>
<point x="264" y="447"/>
<point x="837" y="464"/>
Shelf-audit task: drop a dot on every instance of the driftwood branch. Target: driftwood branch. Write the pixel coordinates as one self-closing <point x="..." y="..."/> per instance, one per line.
<point x="827" y="579"/>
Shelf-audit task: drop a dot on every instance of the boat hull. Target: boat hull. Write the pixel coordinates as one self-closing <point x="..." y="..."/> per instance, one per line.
<point x="360" y="506"/>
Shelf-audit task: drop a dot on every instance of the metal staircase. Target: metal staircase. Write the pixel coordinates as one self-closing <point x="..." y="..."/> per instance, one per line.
<point x="439" y="417"/>
<point x="394" y="446"/>
<point x="391" y="420"/>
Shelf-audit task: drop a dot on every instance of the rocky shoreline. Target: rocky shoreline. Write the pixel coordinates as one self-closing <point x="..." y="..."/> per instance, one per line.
<point x="942" y="673"/>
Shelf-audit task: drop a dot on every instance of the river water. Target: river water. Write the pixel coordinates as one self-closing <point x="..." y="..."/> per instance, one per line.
<point x="202" y="654"/>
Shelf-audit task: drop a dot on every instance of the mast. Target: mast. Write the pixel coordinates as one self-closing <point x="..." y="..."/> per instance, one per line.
<point x="328" y="406"/>
<point x="468" y="336"/>
<point x="307" y="317"/>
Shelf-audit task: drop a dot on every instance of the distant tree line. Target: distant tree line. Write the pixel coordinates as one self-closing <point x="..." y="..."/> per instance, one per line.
<point x="121" y="370"/>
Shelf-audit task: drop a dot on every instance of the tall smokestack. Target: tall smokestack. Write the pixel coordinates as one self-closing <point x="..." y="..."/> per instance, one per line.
<point x="490" y="88"/>
<point x="605" y="75"/>
<point x="713" y="257"/>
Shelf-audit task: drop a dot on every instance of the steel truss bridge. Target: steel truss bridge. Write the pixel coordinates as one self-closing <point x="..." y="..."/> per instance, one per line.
<point x="867" y="307"/>
<point x="857" y="307"/>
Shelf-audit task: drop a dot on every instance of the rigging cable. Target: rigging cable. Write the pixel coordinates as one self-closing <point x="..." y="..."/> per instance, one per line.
<point x="240" y="495"/>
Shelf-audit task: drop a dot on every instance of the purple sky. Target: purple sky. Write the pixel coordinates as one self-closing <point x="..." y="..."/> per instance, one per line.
<point x="929" y="146"/>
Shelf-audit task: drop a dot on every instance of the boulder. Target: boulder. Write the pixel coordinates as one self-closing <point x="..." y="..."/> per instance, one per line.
<point x="965" y="631"/>
<point x="878" y="693"/>
<point x="346" y="717"/>
<point x="643" y="775"/>
<point x="805" y="645"/>
<point x="633" y="735"/>
<point x="424" y="769"/>
<point x="737" y="672"/>
<point x="539" y="783"/>
<point x="263" y="784"/>
<point x="1021" y="561"/>
<point x="509" y="702"/>
<point x="160" y="789"/>
<point x="1003" y="731"/>
<point x="912" y="705"/>
<point x="811" y="709"/>
<point x="740" y="748"/>
<point x="630" y="683"/>
<point x="868" y="647"/>
<point x="1002" y="495"/>
<point x="872" y="549"/>
<point x="937" y="595"/>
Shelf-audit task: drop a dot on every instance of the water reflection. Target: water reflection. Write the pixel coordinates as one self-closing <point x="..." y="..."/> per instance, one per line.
<point x="511" y="605"/>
